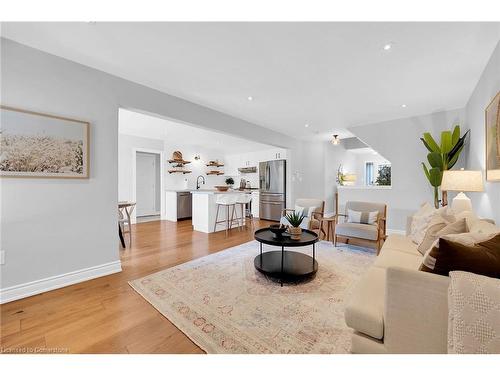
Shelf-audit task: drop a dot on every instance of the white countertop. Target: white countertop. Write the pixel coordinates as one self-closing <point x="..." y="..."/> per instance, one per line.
<point x="213" y="191"/>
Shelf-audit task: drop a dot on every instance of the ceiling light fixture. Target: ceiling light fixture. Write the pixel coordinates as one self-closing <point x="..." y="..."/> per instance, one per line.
<point x="250" y="98"/>
<point x="335" y="140"/>
<point x="306" y="125"/>
<point x="403" y="105"/>
<point x="387" y="47"/>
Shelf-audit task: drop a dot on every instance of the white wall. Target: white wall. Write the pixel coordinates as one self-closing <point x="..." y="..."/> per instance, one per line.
<point x="487" y="204"/>
<point x="399" y="142"/>
<point x="53" y="227"/>
<point x="126" y="146"/>
<point x="333" y="157"/>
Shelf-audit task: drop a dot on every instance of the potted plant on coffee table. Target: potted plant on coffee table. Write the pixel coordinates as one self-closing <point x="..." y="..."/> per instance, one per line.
<point x="295" y="219"/>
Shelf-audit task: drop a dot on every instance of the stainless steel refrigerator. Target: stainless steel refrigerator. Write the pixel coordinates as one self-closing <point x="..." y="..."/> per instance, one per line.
<point x="272" y="185"/>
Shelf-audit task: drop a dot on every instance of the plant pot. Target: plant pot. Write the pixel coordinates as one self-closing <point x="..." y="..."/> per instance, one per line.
<point x="295" y="232"/>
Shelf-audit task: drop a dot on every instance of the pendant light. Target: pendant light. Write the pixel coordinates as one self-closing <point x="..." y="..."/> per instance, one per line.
<point x="335" y="140"/>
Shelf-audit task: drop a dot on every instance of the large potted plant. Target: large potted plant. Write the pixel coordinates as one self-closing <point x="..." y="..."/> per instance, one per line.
<point x="441" y="158"/>
<point x="295" y="219"/>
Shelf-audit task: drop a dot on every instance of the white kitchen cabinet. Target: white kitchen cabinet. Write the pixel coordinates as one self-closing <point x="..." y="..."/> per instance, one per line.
<point x="171" y="205"/>
<point x="255" y="204"/>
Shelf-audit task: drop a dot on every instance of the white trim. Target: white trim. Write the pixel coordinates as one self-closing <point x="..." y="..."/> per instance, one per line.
<point x="135" y="150"/>
<point x="31" y="288"/>
<point x="396" y="231"/>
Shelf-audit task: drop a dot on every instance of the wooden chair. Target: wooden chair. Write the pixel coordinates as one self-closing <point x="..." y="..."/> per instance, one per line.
<point x="375" y="233"/>
<point x="314" y="221"/>
<point x="125" y="210"/>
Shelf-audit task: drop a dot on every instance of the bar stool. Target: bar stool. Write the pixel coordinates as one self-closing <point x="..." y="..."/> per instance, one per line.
<point x="244" y="200"/>
<point x="229" y="202"/>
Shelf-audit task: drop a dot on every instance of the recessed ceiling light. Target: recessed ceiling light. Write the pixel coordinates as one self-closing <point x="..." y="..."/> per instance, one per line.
<point x="403" y="105"/>
<point x="387" y="46"/>
<point x="306" y="125"/>
<point x="250" y="98"/>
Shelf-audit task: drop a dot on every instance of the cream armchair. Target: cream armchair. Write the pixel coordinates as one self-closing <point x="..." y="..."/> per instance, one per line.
<point x="370" y="232"/>
<point x="312" y="221"/>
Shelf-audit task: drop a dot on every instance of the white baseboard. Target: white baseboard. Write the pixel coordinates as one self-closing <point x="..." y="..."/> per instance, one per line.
<point x="396" y="231"/>
<point x="16" y="292"/>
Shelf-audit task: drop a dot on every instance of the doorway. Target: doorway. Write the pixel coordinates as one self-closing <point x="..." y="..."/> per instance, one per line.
<point x="148" y="186"/>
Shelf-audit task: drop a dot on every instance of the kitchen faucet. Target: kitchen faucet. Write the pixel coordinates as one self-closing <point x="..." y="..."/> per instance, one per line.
<point x="198" y="181"/>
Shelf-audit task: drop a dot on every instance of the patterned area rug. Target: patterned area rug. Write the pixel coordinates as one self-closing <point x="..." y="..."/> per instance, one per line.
<point x="224" y="305"/>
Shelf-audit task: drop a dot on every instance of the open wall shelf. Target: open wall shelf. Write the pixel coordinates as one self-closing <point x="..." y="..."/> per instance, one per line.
<point x="183" y="171"/>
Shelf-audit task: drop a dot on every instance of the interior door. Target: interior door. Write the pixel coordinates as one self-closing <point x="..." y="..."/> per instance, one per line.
<point x="146" y="181"/>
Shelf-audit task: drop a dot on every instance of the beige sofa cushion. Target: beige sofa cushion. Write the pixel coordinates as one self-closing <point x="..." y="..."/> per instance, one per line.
<point x="400" y="243"/>
<point x="394" y="258"/>
<point x="365" y="311"/>
<point x="365" y="231"/>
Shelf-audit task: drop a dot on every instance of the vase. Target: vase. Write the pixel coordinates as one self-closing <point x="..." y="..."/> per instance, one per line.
<point x="295" y="232"/>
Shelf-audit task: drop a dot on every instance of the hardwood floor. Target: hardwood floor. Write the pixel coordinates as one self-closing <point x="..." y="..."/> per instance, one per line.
<point x="106" y="315"/>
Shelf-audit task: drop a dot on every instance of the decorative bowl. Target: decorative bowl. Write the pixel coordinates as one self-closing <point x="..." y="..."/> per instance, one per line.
<point x="277" y="229"/>
<point x="222" y="187"/>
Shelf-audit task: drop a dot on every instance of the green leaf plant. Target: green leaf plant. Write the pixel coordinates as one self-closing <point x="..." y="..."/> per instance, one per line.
<point x="295" y="218"/>
<point x="442" y="157"/>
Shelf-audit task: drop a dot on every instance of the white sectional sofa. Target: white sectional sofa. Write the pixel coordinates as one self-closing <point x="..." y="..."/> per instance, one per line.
<point x="396" y="308"/>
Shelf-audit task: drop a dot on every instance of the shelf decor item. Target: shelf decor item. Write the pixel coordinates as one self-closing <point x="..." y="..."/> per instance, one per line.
<point x="295" y="219"/>
<point x="215" y="163"/>
<point x="492" y="117"/>
<point x="229" y="181"/>
<point x="442" y="157"/>
<point x="35" y="144"/>
<point x="178" y="163"/>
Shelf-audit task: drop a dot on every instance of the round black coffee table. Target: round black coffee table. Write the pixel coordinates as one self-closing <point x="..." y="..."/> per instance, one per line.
<point x="286" y="265"/>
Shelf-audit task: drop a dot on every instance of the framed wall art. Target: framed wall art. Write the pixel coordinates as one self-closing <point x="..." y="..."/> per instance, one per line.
<point x="39" y="145"/>
<point x="492" y="115"/>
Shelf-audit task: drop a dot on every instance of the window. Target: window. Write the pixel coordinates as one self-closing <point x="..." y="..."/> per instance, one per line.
<point x="383" y="175"/>
<point x="377" y="174"/>
<point x="369" y="169"/>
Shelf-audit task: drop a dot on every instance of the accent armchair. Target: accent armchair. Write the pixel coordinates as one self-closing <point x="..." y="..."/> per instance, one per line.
<point x="375" y="232"/>
<point x="313" y="210"/>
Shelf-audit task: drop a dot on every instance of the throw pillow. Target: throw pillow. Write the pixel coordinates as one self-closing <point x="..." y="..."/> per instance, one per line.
<point x="484" y="227"/>
<point x="469" y="216"/>
<point x="362" y="217"/>
<point x="473" y="314"/>
<point x="420" y="222"/>
<point x="482" y="258"/>
<point x="437" y="228"/>
<point x="469" y="238"/>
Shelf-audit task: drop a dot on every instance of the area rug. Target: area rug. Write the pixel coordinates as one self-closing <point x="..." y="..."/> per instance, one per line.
<point x="224" y="305"/>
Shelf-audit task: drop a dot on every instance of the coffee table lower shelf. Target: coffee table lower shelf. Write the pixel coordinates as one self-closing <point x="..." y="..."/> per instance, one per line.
<point x="295" y="265"/>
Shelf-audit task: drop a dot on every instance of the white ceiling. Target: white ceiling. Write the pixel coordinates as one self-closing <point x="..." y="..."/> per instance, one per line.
<point x="329" y="75"/>
<point x="141" y="125"/>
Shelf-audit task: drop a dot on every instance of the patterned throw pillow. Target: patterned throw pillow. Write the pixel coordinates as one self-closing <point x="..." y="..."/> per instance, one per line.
<point x="420" y="222"/>
<point x="473" y="314"/>
<point x="361" y="217"/>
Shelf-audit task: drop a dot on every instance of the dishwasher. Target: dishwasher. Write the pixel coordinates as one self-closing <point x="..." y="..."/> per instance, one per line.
<point x="184" y="205"/>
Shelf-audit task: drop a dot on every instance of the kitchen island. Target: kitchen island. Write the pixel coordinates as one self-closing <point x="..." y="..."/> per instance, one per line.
<point x="205" y="210"/>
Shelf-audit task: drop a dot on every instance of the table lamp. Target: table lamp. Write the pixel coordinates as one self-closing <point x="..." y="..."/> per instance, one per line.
<point x="461" y="181"/>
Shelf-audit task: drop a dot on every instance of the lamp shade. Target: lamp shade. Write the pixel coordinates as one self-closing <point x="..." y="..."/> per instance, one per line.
<point x="462" y="180"/>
